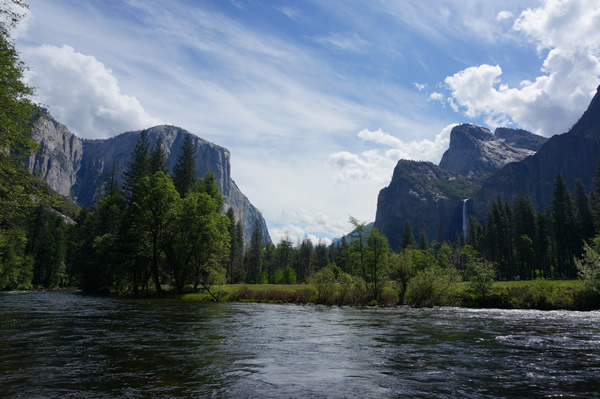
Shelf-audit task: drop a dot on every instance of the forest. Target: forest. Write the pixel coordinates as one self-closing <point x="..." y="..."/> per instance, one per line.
<point x="155" y="232"/>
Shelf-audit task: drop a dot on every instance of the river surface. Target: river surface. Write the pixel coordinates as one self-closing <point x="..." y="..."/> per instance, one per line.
<point x="63" y="344"/>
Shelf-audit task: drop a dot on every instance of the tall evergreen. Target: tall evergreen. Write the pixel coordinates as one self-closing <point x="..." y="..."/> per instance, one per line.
<point x="158" y="158"/>
<point x="408" y="237"/>
<point x="255" y="251"/>
<point x="524" y="235"/>
<point x="563" y="228"/>
<point x="596" y="198"/>
<point x="423" y="241"/>
<point x="184" y="173"/>
<point x="139" y="166"/>
<point x="584" y="220"/>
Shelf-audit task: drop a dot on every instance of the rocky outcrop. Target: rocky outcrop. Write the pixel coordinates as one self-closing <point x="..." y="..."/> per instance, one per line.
<point x="475" y="150"/>
<point x="58" y="159"/>
<point x="429" y="197"/>
<point x="79" y="168"/>
<point x="519" y="138"/>
<point x="573" y="154"/>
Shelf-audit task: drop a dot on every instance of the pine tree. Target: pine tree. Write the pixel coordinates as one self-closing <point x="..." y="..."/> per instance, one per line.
<point x="423" y="241"/>
<point x="563" y="228"/>
<point x="139" y="166"/>
<point x="596" y="198"/>
<point x="184" y="173"/>
<point x="408" y="237"/>
<point x="583" y="216"/>
<point x="158" y="158"/>
<point x="255" y="254"/>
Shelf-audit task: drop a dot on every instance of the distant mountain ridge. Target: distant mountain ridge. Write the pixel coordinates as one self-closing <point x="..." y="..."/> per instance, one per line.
<point x="481" y="166"/>
<point x="77" y="168"/>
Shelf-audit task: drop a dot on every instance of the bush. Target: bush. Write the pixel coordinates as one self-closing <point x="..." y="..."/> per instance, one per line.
<point x="433" y="286"/>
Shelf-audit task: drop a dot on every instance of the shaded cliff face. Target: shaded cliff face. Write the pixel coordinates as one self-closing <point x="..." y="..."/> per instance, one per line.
<point x="78" y="168"/>
<point x="59" y="158"/>
<point x="474" y="150"/>
<point x="573" y="154"/>
<point x="520" y="138"/>
<point x="430" y="197"/>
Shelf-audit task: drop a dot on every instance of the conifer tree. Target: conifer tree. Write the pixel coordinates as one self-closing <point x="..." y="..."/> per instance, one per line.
<point x="584" y="220"/>
<point x="408" y="237"/>
<point x="184" y="173"/>
<point x="158" y="158"/>
<point x="563" y="228"/>
<point x="139" y="166"/>
<point x="423" y="241"/>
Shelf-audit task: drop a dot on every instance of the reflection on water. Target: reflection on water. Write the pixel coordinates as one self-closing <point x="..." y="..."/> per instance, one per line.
<point x="62" y="344"/>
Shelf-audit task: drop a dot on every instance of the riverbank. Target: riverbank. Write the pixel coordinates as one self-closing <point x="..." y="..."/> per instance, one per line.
<point x="533" y="294"/>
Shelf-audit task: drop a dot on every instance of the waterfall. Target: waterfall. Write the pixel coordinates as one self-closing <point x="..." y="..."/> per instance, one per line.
<point x="465" y="217"/>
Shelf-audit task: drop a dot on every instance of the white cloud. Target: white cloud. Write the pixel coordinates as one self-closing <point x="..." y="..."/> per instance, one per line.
<point x="420" y="86"/>
<point x="299" y="223"/>
<point x="82" y="93"/>
<point x="435" y="96"/>
<point x="504" y="16"/>
<point x="552" y="102"/>
<point x="378" y="165"/>
<point x="293" y="13"/>
<point x="351" y="42"/>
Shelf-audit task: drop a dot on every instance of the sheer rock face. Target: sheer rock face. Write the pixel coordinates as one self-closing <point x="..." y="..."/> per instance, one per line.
<point x="59" y="157"/>
<point x="574" y="155"/>
<point x="78" y="168"/>
<point x="429" y="197"/>
<point x="474" y="150"/>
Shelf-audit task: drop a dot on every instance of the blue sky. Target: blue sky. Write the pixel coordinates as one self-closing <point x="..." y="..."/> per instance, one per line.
<point x="316" y="100"/>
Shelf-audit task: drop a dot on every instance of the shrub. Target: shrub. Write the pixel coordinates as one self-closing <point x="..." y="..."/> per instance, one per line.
<point x="433" y="286"/>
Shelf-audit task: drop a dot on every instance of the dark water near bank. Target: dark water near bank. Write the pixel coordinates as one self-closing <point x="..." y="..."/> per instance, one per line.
<point x="60" y="344"/>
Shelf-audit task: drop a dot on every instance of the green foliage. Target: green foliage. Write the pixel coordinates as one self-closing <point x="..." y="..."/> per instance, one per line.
<point x="408" y="237"/>
<point x="481" y="275"/>
<point x="16" y="268"/>
<point x="184" y="173"/>
<point x="433" y="286"/>
<point x="588" y="270"/>
<point x="289" y="275"/>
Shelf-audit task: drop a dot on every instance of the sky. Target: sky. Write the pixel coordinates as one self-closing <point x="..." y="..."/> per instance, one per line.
<point x="316" y="100"/>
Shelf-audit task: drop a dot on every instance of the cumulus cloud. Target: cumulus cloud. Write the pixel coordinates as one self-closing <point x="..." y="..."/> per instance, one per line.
<point x="82" y="93"/>
<point x="504" y="16"/>
<point x="420" y="86"/>
<point x="350" y="42"/>
<point x="299" y="223"/>
<point x="566" y="31"/>
<point x="378" y="164"/>
<point x="435" y="96"/>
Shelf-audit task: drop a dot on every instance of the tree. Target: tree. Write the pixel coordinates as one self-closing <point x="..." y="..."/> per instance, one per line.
<point x="584" y="221"/>
<point x="184" y="173"/>
<point x="18" y="191"/>
<point x="408" y="237"/>
<point x="139" y="166"/>
<point x="209" y="185"/>
<point x="423" y="241"/>
<point x="563" y="228"/>
<point x="158" y="158"/>
<point x="377" y="261"/>
<point x="255" y="254"/>
<point x="156" y="209"/>
<point x="524" y="233"/>
<point x="357" y="245"/>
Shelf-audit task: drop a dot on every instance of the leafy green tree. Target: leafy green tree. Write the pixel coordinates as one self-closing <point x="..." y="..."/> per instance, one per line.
<point x="209" y="185"/>
<point x="18" y="191"/>
<point x="408" y="237"/>
<point x="402" y="269"/>
<point x="184" y="173"/>
<point x="588" y="269"/>
<point x="156" y="209"/>
<point x="432" y="286"/>
<point x="357" y="248"/>
<point x="377" y="261"/>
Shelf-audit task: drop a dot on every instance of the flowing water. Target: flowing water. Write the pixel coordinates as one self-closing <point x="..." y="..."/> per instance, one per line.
<point x="62" y="344"/>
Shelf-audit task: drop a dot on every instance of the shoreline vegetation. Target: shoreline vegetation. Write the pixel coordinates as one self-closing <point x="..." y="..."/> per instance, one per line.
<point x="537" y="294"/>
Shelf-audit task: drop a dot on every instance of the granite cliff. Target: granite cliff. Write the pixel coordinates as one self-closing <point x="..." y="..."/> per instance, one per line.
<point x="481" y="166"/>
<point x="475" y="150"/>
<point x="77" y="168"/>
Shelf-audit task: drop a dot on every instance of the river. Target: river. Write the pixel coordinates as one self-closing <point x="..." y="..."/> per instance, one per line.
<point x="63" y="344"/>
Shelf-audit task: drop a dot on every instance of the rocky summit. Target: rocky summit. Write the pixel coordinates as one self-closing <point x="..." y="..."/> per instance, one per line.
<point x="475" y="150"/>
<point x="77" y="168"/>
<point x="481" y="166"/>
